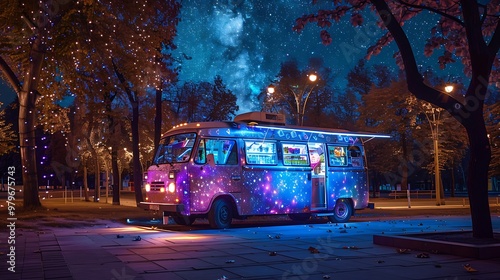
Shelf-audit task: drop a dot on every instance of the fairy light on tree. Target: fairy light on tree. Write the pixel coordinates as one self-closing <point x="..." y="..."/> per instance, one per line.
<point x="72" y="37"/>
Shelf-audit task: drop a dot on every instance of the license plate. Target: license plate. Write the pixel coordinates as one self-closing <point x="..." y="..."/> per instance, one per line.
<point x="154" y="207"/>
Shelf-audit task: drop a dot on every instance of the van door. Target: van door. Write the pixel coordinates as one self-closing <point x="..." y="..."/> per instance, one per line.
<point x="216" y="171"/>
<point x="318" y="175"/>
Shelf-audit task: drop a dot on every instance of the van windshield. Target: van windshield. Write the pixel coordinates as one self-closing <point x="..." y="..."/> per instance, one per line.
<point x="175" y="148"/>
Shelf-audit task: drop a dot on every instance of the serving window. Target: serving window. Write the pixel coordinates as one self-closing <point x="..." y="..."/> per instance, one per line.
<point x="345" y="156"/>
<point x="295" y="154"/>
<point x="355" y="156"/>
<point x="261" y="152"/>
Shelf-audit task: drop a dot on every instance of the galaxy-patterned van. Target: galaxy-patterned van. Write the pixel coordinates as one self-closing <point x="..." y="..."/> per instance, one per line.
<point x="257" y="165"/>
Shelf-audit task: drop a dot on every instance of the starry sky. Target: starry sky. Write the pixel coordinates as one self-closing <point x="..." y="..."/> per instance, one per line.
<point x="245" y="42"/>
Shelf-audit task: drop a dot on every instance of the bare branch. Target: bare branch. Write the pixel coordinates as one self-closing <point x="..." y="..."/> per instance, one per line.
<point x="455" y="19"/>
<point x="11" y="77"/>
<point x="415" y="81"/>
<point x="473" y="31"/>
<point x="494" y="44"/>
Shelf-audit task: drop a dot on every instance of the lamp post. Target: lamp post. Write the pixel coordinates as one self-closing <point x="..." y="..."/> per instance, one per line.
<point x="435" y="113"/>
<point x="299" y="97"/>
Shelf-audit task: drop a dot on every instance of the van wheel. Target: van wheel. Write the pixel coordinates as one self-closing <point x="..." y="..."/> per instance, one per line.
<point x="221" y="214"/>
<point x="184" y="220"/>
<point x="299" y="217"/>
<point x="342" y="211"/>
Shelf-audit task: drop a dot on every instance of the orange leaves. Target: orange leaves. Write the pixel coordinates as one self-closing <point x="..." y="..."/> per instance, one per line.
<point x="325" y="37"/>
<point x="356" y="19"/>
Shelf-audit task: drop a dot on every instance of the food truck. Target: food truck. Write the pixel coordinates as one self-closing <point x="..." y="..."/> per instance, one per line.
<point x="257" y="165"/>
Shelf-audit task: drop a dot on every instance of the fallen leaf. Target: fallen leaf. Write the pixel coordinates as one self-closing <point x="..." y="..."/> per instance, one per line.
<point x="469" y="268"/>
<point x="313" y="250"/>
<point x="403" y="250"/>
<point x="423" y="256"/>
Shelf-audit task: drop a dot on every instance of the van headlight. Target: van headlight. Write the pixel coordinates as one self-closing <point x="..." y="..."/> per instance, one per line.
<point x="171" y="187"/>
<point x="147" y="187"/>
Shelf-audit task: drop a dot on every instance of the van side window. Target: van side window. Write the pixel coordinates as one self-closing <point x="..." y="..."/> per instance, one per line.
<point x="295" y="154"/>
<point x="261" y="152"/>
<point x="232" y="159"/>
<point x="201" y="156"/>
<point x="223" y="151"/>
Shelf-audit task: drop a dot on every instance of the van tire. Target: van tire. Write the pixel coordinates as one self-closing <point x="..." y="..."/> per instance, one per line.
<point x="221" y="214"/>
<point x="342" y="211"/>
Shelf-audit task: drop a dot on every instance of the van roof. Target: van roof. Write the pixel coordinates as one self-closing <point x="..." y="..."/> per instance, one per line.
<point x="268" y="131"/>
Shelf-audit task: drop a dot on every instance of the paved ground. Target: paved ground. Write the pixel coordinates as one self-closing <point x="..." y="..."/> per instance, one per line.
<point x="291" y="251"/>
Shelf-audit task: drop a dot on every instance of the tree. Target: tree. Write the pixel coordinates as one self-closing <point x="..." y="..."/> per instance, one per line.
<point x="468" y="30"/>
<point x="394" y="114"/>
<point x="359" y="79"/>
<point x="320" y="110"/>
<point x="47" y="42"/>
<point x="221" y="102"/>
<point x="203" y="101"/>
<point x="493" y="124"/>
<point x="292" y="88"/>
<point x="6" y="134"/>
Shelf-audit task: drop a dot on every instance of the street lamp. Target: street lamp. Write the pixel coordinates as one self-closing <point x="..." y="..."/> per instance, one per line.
<point x="448" y="88"/>
<point x="300" y="101"/>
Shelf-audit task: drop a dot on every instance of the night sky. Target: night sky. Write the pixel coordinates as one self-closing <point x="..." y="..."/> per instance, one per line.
<point x="245" y="41"/>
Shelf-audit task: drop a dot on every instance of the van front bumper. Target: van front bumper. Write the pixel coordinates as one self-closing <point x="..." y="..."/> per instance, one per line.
<point x="165" y="207"/>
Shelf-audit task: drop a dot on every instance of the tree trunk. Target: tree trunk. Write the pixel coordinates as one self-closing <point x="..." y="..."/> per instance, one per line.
<point x="27" y="142"/>
<point x="405" y="163"/>
<point x="452" y="178"/>
<point x="158" y="118"/>
<point x="97" y="180"/>
<point x="135" y="151"/>
<point x="134" y="102"/>
<point x="27" y="125"/>
<point x="85" y="184"/>
<point x="116" y="176"/>
<point x="477" y="176"/>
